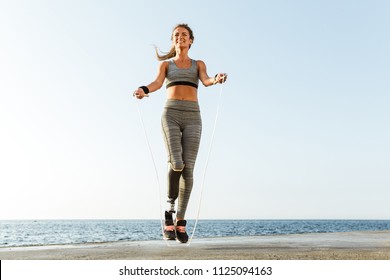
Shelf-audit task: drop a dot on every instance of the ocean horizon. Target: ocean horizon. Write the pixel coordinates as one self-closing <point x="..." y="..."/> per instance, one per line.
<point x="17" y="233"/>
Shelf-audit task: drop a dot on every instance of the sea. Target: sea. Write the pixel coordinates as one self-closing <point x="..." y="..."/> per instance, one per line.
<point x="18" y="233"/>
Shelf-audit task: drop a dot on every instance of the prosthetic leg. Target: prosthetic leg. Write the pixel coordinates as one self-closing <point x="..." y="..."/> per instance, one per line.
<point x="173" y="193"/>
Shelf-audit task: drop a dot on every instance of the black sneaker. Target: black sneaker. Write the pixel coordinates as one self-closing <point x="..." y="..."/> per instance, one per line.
<point x="169" y="229"/>
<point x="181" y="234"/>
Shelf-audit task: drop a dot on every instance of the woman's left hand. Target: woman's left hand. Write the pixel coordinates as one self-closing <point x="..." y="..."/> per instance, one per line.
<point x="220" y="78"/>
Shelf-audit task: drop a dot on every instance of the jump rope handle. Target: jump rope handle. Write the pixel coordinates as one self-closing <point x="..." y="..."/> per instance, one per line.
<point x="224" y="77"/>
<point x="146" y="95"/>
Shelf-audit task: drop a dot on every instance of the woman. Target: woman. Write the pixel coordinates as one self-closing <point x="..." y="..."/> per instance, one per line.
<point x="181" y="122"/>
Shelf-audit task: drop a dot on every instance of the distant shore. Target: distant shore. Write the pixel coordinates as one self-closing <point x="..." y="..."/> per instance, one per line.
<point x="360" y="245"/>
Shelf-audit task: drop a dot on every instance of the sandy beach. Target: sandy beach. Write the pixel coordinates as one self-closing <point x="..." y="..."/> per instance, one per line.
<point x="366" y="245"/>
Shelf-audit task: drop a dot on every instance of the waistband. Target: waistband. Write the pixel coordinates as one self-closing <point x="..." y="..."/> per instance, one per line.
<point x="182" y="105"/>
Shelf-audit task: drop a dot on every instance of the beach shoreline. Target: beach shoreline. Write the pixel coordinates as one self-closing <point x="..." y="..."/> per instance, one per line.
<point x="360" y="245"/>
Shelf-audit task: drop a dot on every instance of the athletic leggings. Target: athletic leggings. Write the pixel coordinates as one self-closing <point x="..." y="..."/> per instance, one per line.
<point x="182" y="128"/>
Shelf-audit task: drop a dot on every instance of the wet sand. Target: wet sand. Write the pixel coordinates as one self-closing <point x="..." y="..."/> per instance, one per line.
<point x="366" y="245"/>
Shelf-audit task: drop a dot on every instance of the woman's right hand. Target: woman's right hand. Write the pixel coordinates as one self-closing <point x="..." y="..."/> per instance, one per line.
<point x="139" y="93"/>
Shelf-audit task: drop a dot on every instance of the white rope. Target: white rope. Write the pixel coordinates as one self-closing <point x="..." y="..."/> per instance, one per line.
<point x="206" y="165"/>
<point x="204" y="172"/>
<point x="155" y="167"/>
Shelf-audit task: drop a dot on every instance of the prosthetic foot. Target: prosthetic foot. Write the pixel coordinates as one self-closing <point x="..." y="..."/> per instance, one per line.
<point x="169" y="229"/>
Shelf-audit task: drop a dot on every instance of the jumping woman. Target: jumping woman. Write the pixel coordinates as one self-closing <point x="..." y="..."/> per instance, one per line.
<point x="181" y="122"/>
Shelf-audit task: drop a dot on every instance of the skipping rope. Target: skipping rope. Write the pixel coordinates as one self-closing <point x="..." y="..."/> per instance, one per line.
<point x="204" y="171"/>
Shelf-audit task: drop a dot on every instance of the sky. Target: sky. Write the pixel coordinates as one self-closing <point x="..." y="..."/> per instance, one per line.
<point x="302" y="131"/>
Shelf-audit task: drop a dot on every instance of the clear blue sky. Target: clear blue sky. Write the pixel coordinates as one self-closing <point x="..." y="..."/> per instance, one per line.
<point x="303" y="130"/>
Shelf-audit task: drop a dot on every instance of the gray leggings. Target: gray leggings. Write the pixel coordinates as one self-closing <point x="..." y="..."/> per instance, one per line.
<point x="182" y="129"/>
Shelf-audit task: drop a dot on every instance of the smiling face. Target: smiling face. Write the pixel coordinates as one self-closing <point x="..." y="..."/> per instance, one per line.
<point x="182" y="38"/>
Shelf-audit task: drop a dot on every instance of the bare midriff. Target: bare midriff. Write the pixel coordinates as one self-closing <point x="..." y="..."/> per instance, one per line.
<point x="182" y="93"/>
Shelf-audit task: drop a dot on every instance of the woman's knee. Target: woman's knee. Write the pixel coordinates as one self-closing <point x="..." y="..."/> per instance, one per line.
<point x="177" y="165"/>
<point x="188" y="173"/>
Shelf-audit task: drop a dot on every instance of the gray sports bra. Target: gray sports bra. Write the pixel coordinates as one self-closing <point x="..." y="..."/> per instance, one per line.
<point x="182" y="76"/>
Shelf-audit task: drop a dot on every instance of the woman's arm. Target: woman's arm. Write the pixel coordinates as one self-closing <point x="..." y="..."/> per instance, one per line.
<point x="204" y="77"/>
<point x="156" y="84"/>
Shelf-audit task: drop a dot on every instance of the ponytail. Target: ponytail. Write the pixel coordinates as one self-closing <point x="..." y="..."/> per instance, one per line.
<point x="166" y="55"/>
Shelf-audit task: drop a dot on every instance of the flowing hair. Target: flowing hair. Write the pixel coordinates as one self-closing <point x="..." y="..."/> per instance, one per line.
<point x="172" y="51"/>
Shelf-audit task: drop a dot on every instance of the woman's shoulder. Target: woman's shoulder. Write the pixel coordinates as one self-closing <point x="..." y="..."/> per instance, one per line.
<point x="164" y="64"/>
<point x="200" y="63"/>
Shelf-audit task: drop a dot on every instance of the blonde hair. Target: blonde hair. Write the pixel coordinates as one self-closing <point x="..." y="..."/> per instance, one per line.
<point x="172" y="51"/>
